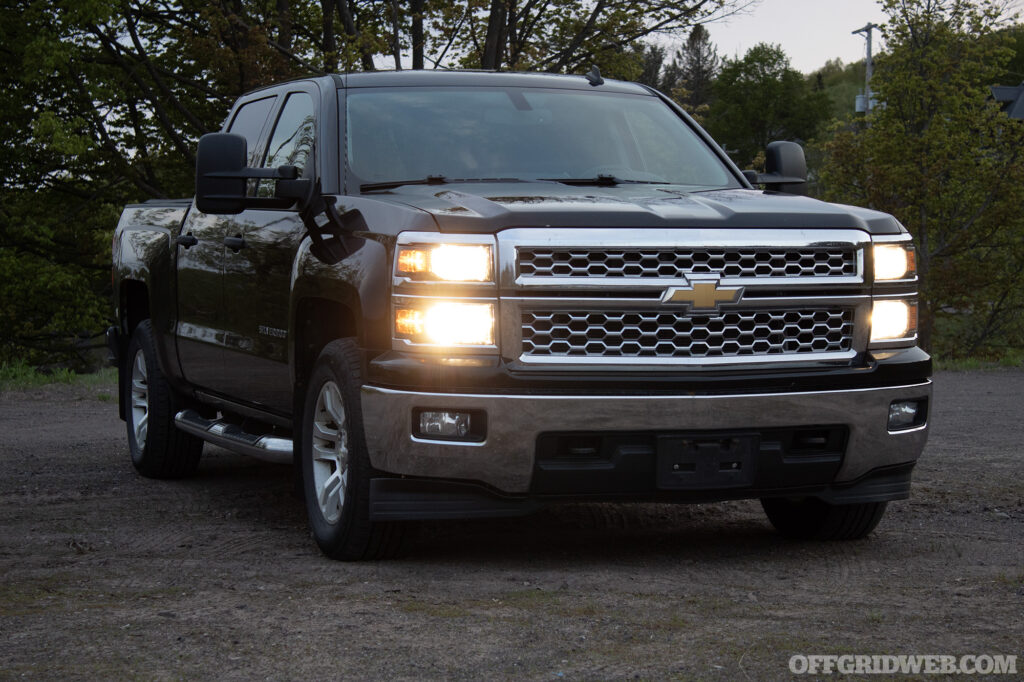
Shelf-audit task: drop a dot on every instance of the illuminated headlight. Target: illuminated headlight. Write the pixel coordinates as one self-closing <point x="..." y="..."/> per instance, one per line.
<point x="446" y="323"/>
<point x="892" y="320"/>
<point x="445" y="262"/>
<point x="894" y="261"/>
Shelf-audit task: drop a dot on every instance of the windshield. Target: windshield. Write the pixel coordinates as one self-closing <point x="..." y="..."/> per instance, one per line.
<point x="398" y="134"/>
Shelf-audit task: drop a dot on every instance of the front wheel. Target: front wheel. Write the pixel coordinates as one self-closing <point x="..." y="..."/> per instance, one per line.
<point x="158" y="448"/>
<point x="335" y="464"/>
<point x="812" y="519"/>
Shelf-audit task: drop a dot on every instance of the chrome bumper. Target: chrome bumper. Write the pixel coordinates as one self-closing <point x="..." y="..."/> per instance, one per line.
<point x="505" y="459"/>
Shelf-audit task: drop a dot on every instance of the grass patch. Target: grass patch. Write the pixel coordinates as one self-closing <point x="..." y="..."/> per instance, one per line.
<point x="19" y="376"/>
<point x="1013" y="359"/>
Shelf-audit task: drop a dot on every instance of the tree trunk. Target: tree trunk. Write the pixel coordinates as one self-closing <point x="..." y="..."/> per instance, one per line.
<point x="494" y="43"/>
<point x="416" y="9"/>
<point x="396" y="47"/>
<point x="348" y="17"/>
<point x="329" y="44"/>
<point x="284" y="24"/>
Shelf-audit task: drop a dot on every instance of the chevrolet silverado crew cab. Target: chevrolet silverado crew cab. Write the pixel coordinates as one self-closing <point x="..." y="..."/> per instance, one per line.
<point x="461" y="294"/>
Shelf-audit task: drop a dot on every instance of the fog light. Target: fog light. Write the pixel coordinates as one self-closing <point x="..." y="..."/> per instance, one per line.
<point x="904" y="414"/>
<point x="449" y="425"/>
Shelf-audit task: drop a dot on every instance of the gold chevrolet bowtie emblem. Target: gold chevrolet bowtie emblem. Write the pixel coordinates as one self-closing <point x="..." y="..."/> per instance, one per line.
<point x="702" y="295"/>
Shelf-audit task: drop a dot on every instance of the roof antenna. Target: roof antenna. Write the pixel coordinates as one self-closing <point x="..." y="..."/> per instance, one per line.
<point x="594" y="76"/>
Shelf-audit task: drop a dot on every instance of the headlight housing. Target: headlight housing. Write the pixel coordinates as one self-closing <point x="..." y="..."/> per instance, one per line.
<point x="894" y="261"/>
<point x="445" y="262"/>
<point x="445" y="322"/>
<point x="893" y="319"/>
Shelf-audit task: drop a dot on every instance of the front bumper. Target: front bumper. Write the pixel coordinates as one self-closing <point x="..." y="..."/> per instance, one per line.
<point x="505" y="460"/>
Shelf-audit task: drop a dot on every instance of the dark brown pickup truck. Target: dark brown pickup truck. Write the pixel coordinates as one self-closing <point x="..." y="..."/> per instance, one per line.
<point x="448" y="295"/>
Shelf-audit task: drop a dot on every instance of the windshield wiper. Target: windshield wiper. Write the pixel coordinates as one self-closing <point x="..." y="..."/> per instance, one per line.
<point x="391" y="184"/>
<point x="603" y="181"/>
<point x="429" y="180"/>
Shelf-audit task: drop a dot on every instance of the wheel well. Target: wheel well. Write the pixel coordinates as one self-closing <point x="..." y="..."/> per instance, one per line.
<point x="134" y="304"/>
<point x="319" y="321"/>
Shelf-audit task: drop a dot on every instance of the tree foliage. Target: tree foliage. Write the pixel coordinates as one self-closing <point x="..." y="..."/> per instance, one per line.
<point x="841" y="83"/>
<point x="104" y="102"/>
<point x="760" y="98"/>
<point x="699" y="64"/>
<point x="940" y="155"/>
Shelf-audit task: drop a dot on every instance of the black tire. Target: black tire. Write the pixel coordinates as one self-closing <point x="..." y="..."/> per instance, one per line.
<point x="157" y="447"/>
<point x="812" y="519"/>
<point x="336" y="482"/>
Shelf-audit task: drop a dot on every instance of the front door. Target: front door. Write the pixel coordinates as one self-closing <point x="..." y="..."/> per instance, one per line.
<point x="201" y="249"/>
<point x="257" y="274"/>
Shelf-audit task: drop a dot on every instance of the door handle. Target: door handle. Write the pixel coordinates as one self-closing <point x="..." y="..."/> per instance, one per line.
<point x="187" y="240"/>
<point x="236" y="243"/>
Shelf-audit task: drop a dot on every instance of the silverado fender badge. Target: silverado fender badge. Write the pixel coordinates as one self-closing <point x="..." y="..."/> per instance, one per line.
<point x="273" y="331"/>
<point x="703" y="295"/>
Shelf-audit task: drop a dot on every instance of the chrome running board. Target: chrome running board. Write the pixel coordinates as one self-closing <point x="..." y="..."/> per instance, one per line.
<point x="232" y="437"/>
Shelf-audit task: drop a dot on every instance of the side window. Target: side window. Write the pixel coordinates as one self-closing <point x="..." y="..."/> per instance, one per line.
<point x="292" y="141"/>
<point x="291" y="144"/>
<point x="249" y="121"/>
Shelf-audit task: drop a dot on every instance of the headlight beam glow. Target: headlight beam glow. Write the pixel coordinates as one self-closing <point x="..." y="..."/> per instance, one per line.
<point x="447" y="323"/>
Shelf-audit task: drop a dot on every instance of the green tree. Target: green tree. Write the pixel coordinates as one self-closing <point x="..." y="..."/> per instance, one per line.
<point x="941" y="157"/>
<point x="103" y="105"/>
<point x="565" y="35"/>
<point x="1013" y="71"/>
<point x="104" y="102"/>
<point x="841" y="83"/>
<point x="698" y="63"/>
<point x="759" y="99"/>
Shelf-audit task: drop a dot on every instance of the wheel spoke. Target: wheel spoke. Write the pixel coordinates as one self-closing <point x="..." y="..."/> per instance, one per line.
<point x="331" y="494"/>
<point x="139" y="398"/>
<point x="323" y="432"/>
<point x="333" y="404"/>
<point x="322" y="454"/>
<point x="141" y="429"/>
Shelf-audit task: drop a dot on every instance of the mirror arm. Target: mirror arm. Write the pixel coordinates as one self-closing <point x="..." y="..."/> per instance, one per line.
<point x="279" y="173"/>
<point x="340" y="226"/>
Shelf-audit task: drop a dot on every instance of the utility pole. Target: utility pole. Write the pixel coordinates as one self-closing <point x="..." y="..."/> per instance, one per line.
<point x="870" y="64"/>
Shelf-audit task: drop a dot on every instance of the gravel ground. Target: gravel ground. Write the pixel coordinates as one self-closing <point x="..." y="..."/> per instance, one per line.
<point x="109" y="575"/>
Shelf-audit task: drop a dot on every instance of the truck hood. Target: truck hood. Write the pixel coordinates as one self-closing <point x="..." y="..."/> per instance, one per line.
<point x="489" y="207"/>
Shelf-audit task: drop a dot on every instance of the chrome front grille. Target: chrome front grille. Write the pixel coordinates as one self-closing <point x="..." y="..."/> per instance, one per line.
<point x="675" y="263"/>
<point x="667" y="335"/>
<point x="616" y="298"/>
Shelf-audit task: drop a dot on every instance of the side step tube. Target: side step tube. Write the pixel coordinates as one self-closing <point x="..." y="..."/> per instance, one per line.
<point x="232" y="437"/>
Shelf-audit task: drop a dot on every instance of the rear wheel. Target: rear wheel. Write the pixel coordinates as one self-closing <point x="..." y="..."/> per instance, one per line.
<point x="812" y="519"/>
<point x="335" y="463"/>
<point x="157" y="447"/>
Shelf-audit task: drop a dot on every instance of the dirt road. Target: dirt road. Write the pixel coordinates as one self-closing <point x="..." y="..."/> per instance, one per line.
<point x="106" y="574"/>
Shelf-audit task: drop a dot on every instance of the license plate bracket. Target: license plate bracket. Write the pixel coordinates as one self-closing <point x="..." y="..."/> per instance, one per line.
<point x="706" y="461"/>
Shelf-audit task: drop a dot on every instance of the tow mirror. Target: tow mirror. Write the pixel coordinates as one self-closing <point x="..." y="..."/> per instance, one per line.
<point x="220" y="153"/>
<point x="221" y="176"/>
<point x="786" y="168"/>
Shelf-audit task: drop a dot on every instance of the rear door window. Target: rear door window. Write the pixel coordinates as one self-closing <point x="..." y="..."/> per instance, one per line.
<point x="249" y="121"/>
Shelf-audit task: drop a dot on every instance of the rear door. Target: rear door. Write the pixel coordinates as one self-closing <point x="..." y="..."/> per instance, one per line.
<point x="202" y="337"/>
